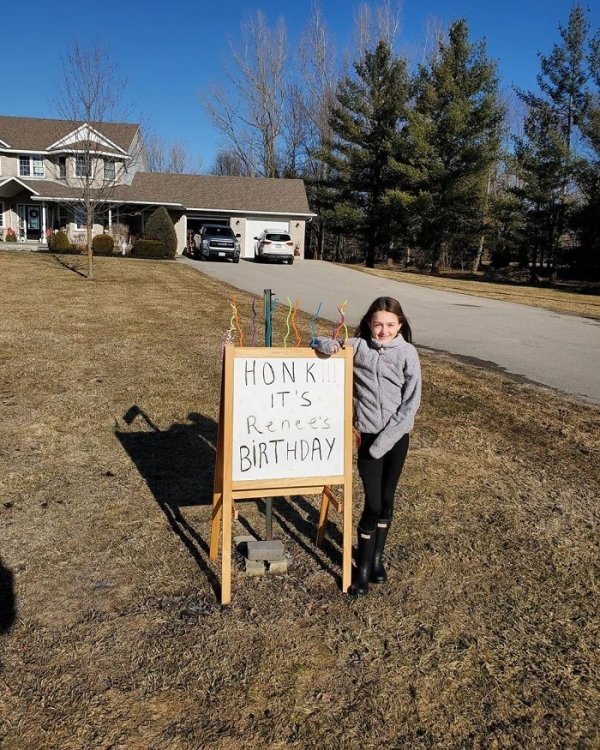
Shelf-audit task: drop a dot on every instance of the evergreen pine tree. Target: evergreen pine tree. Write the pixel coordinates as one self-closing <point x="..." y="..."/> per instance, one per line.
<point x="586" y="220"/>
<point x="540" y="168"/>
<point x="454" y="135"/>
<point x="549" y="164"/>
<point x="160" y="227"/>
<point x="365" y="123"/>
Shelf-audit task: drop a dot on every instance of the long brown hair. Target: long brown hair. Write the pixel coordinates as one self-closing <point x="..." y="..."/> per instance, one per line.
<point x="384" y="304"/>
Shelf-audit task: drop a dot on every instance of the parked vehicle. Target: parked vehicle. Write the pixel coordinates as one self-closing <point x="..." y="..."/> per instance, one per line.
<point x="215" y="241"/>
<point x="274" y="245"/>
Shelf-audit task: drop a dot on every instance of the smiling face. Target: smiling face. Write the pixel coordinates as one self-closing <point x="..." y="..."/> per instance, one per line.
<point x="385" y="326"/>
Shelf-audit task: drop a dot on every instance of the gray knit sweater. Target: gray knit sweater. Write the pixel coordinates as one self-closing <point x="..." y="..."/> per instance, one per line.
<point x="387" y="388"/>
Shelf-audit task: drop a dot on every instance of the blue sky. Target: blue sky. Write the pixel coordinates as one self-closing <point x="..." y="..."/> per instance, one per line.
<point x="169" y="55"/>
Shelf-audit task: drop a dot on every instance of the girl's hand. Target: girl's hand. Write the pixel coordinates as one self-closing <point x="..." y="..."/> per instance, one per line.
<point x="326" y="345"/>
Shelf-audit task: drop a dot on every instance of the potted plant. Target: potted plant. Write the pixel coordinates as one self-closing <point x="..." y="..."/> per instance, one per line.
<point x="11" y="235"/>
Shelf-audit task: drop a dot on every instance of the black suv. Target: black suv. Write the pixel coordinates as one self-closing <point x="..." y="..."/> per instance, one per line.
<point x="216" y="241"/>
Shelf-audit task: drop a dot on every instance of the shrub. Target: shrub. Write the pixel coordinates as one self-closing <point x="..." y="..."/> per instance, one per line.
<point x="149" y="249"/>
<point x="160" y="227"/>
<point x="103" y="244"/>
<point x="11" y="235"/>
<point x="60" y="242"/>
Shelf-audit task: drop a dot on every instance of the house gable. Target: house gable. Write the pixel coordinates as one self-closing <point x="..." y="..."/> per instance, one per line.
<point x="12" y="186"/>
<point x="83" y="137"/>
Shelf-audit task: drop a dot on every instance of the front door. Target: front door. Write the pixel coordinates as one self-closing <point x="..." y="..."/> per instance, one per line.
<point x="31" y="221"/>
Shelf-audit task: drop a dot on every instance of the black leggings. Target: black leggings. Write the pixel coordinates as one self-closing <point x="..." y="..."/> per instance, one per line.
<point x="380" y="478"/>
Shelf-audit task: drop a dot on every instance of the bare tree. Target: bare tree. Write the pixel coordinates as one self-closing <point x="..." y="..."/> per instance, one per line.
<point x="318" y="69"/>
<point x="89" y="95"/>
<point x="228" y="163"/>
<point x="435" y="34"/>
<point x="251" y="119"/>
<point x="173" y="158"/>
<point x="296" y="133"/>
<point x="381" y="22"/>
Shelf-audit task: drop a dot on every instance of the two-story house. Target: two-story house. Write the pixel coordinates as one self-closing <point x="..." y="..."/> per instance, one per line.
<point x="53" y="171"/>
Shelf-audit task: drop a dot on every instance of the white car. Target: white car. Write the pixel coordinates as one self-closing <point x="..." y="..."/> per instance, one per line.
<point x="273" y="244"/>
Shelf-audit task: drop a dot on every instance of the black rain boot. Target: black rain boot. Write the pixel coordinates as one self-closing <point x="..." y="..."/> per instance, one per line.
<point x="364" y="558"/>
<point x="378" y="574"/>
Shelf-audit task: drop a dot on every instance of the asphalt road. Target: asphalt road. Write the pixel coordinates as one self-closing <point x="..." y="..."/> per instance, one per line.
<point x="556" y="350"/>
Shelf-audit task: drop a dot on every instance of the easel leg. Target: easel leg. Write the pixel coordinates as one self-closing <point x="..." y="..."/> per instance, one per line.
<point x="226" y="550"/>
<point x="347" y="544"/>
<point x="323" y="517"/>
<point x="215" y="528"/>
<point x="217" y="510"/>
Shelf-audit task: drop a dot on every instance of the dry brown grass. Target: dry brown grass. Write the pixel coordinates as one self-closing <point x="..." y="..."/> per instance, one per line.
<point x="555" y="299"/>
<point x="485" y="637"/>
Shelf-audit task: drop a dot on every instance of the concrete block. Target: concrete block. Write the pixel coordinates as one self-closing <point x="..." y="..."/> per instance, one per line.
<point x="271" y="550"/>
<point x="255" y="568"/>
<point x="278" y="567"/>
<point x="244" y="539"/>
<point x="241" y="543"/>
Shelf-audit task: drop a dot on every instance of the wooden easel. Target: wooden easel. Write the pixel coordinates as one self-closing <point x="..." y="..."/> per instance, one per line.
<point x="226" y="491"/>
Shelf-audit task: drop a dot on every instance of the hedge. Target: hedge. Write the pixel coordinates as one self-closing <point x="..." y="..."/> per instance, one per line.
<point x="59" y="241"/>
<point x="149" y="249"/>
<point x="103" y="244"/>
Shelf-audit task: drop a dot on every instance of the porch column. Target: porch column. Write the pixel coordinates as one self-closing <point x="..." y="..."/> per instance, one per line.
<point x="43" y="238"/>
<point x="109" y="219"/>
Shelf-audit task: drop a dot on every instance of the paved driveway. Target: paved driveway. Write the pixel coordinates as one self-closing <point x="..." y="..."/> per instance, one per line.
<point x="557" y="350"/>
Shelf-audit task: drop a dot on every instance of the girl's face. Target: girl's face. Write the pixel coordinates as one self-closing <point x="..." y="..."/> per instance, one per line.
<point x="384" y="326"/>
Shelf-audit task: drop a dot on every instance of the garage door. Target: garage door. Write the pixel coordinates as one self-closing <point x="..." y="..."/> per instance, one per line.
<point x="254" y="228"/>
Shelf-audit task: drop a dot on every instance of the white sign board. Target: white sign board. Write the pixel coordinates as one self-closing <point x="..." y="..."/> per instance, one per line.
<point x="288" y="418"/>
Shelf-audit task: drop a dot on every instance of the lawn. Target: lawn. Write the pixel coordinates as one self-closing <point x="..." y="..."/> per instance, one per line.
<point x="486" y="635"/>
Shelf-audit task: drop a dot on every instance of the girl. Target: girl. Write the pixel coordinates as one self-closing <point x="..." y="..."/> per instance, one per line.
<point x="387" y="393"/>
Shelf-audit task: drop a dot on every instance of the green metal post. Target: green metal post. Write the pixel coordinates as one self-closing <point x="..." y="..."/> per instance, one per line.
<point x="268" y="308"/>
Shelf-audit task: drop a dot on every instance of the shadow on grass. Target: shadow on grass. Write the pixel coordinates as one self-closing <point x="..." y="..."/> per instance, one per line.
<point x="178" y="466"/>
<point x="8" y="602"/>
<point x="303" y="530"/>
<point x="70" y="265"/>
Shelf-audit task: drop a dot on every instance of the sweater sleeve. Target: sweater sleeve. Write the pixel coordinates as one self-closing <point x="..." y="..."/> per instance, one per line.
<point x="402" y="421"/>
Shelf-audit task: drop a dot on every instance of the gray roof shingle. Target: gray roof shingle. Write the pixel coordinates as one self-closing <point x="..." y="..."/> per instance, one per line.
<point x="201" y="192"/>
<point x="235" y="194"/>
<point x="37" y="134"/>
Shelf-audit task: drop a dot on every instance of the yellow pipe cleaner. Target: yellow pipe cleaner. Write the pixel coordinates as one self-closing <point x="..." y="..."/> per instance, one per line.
<point x="342" y="323"/>
<point x="294" y="326"/>
<point x="287" y="322"/>
<point x="235" y="318"/>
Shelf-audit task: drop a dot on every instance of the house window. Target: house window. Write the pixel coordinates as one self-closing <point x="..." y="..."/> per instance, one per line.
<point x="83" y="166"/>
<point x="109" y="170"/>
<point x="63" y="218"/>
<point x="62" y="167"/>
<point x="31" y="166"/>
<point x="79" y="216"/>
